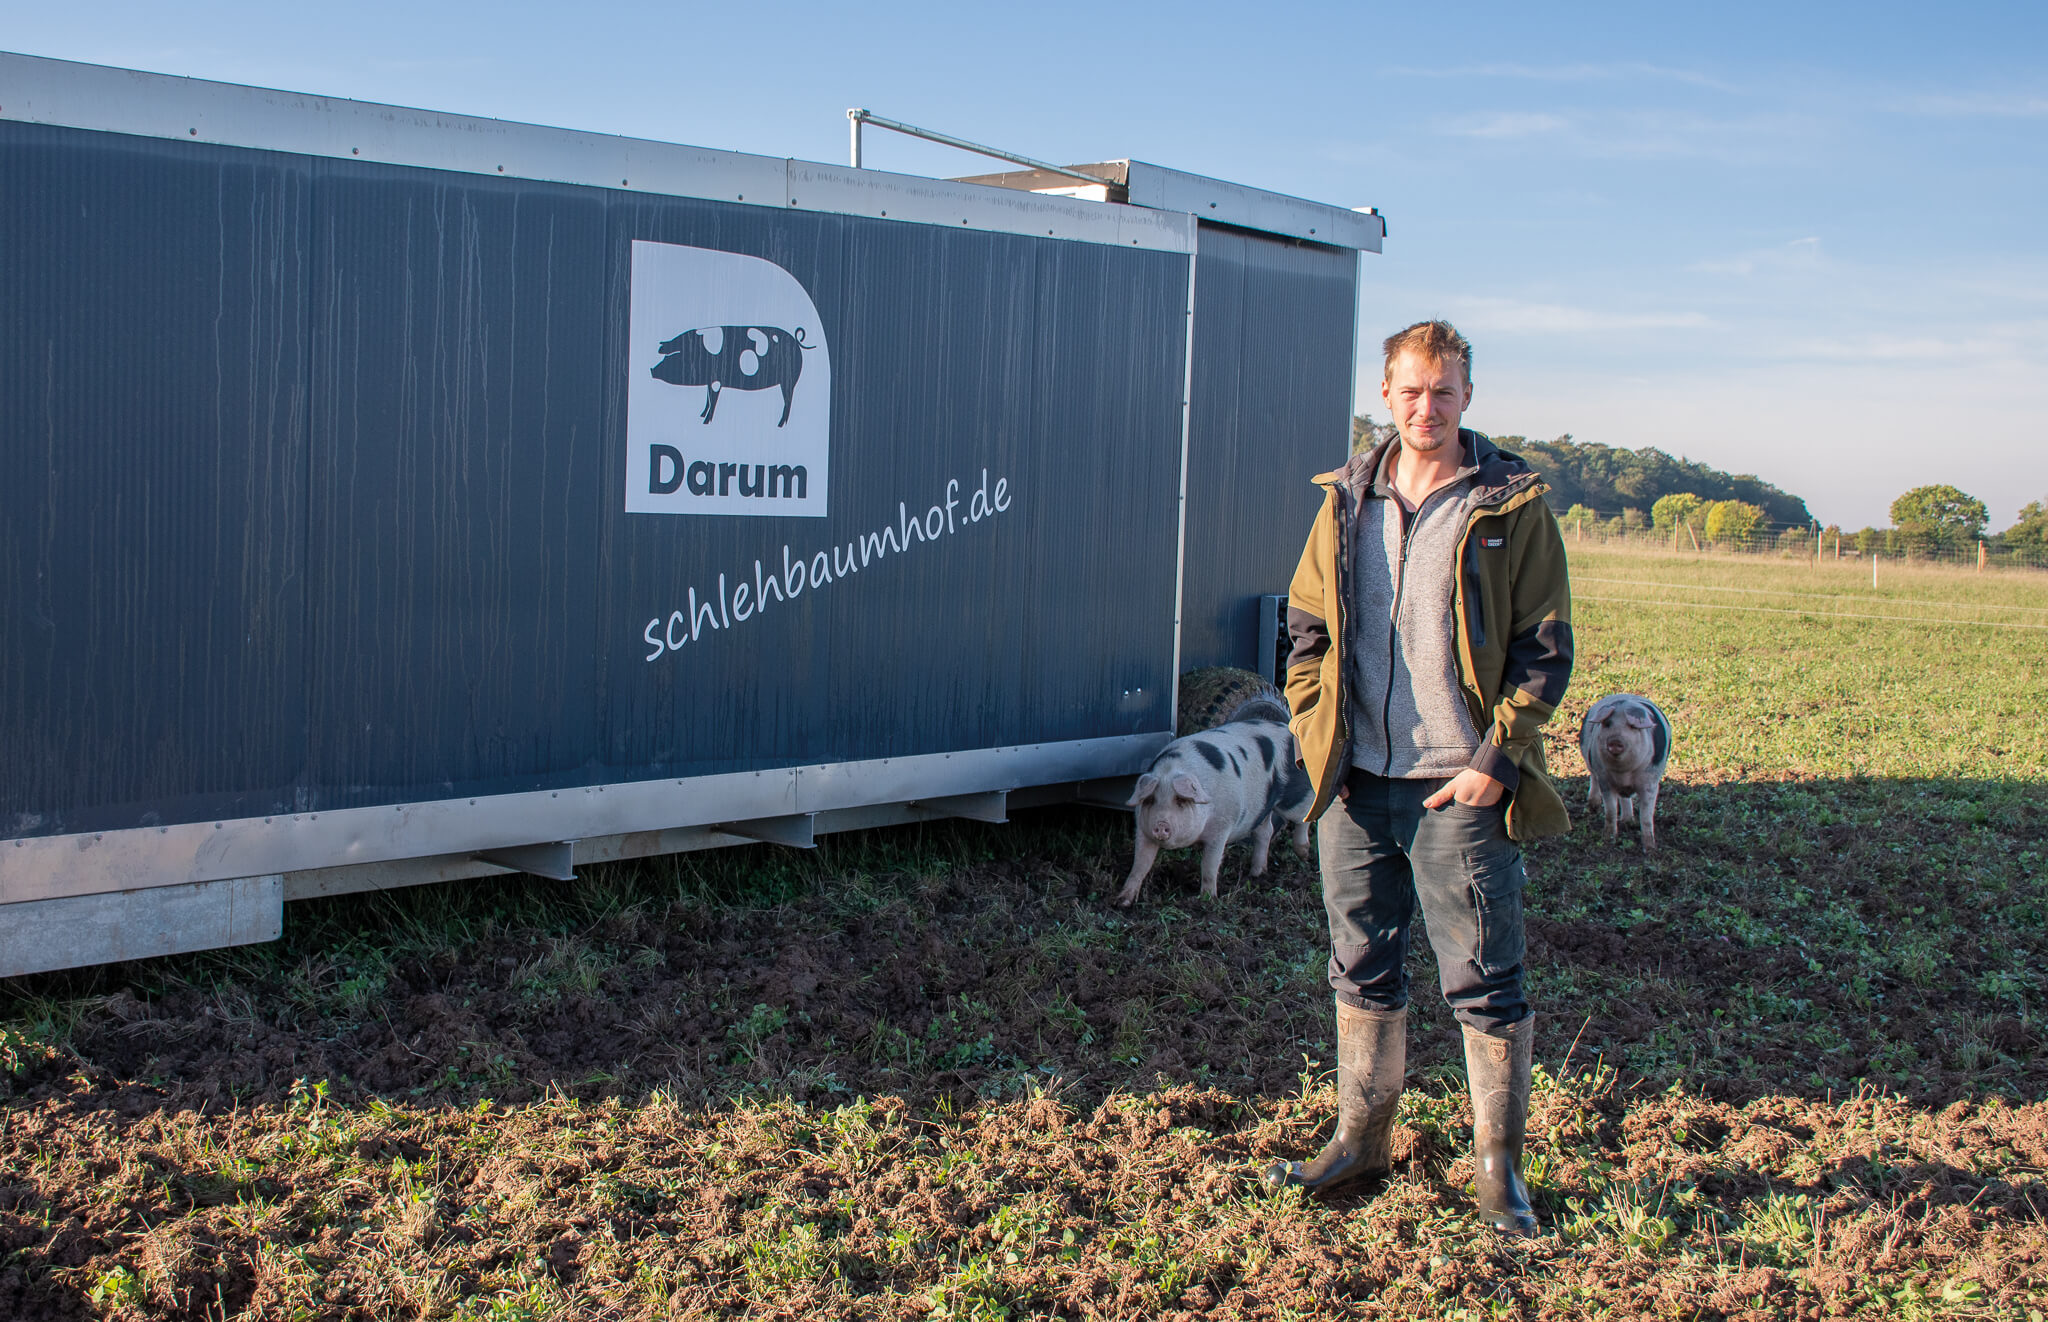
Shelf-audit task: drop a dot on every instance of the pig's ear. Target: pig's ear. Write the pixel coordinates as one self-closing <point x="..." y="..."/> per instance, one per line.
<point x="1147" y="783"/>
<point x="1187" y="788"/>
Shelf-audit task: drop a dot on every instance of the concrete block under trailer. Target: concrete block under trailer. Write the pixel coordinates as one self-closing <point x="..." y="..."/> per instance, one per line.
<point x="389" y="496"/>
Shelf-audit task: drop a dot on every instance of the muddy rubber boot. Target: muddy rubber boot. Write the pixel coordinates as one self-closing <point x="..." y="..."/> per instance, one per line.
<point x="1498" y="1066"/>
<point x="1372" y="1058"/>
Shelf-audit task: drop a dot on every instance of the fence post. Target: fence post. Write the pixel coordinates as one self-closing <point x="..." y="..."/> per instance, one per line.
<point x="1980" y="555"/>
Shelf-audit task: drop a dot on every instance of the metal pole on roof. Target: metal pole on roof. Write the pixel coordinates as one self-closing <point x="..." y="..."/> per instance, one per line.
<point x="860" y="117"/>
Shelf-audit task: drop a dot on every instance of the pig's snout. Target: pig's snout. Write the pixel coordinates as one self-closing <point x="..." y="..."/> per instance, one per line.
<point x="1160" y="829"/>
<point x="1615" y="746"/>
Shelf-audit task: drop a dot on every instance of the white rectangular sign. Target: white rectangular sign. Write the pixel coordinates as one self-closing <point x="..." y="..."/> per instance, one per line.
<point x="729" y="394"/>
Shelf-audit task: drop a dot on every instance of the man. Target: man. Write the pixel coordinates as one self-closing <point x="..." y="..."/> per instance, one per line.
<point x="1431" y="621"/>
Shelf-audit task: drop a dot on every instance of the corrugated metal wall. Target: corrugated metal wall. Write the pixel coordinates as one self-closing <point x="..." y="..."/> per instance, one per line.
<point x="311" y="483"/>
<point x="1271" y="409"/>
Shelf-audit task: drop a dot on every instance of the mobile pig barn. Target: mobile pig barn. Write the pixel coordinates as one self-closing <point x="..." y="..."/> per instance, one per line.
<point x="389" y="496"/>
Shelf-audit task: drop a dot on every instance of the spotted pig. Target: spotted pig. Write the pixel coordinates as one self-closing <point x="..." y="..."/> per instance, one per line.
<point x="1236" y="780"/>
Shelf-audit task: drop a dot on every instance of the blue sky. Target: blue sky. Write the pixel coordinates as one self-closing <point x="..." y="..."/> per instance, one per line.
<point x="1803" y="241"/>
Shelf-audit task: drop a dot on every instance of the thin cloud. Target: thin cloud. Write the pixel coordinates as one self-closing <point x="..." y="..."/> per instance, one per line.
<point x="1573" y="73"/>
<point x="1515" y="316"/>
<point x="1982" y="105"/>
<point x="1507" y="124"/>
<point x="1797" y="253"/>
<point x="2013" y="342"/>
<point x="1649" y="134"/>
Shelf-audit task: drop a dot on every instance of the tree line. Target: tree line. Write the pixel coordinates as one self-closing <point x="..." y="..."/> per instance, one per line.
<point x="1601" y="477"/>
<point x="1597" y="487"/>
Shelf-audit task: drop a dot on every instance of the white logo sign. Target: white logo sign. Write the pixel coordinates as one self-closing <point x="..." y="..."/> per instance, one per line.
<point x="729" y="394"/>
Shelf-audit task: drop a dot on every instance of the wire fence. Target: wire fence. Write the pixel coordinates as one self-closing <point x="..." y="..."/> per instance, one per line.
<point x="1632" y="528"/>
<point x="1826" y="605"/>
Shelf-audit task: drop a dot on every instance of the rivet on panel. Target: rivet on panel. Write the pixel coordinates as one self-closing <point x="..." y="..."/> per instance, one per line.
<point x="501" y="169"/>
<point x="355" y="151"/>
<point x="193" y="132"/>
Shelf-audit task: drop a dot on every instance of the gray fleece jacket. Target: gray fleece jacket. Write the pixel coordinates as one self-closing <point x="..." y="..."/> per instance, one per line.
<point x="1409" y="719"/>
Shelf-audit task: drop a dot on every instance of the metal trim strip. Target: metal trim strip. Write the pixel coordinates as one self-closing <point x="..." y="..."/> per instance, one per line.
<point x="1170" y="190"/>
<point x="125" y="924"/>
<point x="65" y="93"/>
<point x="1180" y="533"/>
<point x="49" y="867"/>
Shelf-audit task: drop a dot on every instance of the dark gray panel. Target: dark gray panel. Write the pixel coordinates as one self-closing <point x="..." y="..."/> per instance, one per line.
<point x="458" y="460"/>
<point x="152" y="460"/>
<point x="1271" y="409"/>
<point x="314" y="485"/>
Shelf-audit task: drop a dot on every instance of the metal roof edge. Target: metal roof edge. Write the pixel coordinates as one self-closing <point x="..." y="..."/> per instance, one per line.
<point x="65" y="93"/>
<point x="1165" y="189"/>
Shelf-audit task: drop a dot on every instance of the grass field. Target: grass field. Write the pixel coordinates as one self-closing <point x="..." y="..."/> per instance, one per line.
<point x="1790" y="1066"/>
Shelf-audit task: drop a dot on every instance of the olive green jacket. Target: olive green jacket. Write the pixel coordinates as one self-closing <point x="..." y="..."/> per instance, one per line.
<point x="1513" y="608"/>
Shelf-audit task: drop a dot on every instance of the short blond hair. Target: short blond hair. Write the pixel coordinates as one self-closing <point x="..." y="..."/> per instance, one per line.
<point x="1438" y="341"/>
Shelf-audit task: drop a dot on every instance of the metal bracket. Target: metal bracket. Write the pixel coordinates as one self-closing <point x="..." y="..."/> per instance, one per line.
<point x="555" y="860"/>
<point x="1109" y="792"/>
<point x="1274" y="643"/>
<point x="993" y="806"/>
<point x="857" y="116"/>
<point x="798" y="830"/>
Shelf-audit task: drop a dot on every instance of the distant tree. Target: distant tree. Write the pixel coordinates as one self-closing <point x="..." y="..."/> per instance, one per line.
<point x="1674" y="509"/>
<point x="1868" y="540"/>
<point x="1577" y="519"/>
<point x="1365" y="433"/>
<point x="1733" y="522"/>
<point x="1634" y="519"/>
<point x="2030" y="532"/>
<point x="1938" y="516"/>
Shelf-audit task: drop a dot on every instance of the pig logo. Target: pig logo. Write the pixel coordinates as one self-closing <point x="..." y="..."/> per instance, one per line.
<point x="728" y="372"/>
<point x="738" y="357"/>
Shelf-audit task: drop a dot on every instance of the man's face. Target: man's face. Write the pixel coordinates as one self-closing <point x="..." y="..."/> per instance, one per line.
<point x="1426" y="398"/>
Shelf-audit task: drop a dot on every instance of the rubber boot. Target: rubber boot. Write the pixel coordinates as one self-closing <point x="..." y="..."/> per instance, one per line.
<point x="1498" y="1065"/>
<point x="1372" y="1058"/>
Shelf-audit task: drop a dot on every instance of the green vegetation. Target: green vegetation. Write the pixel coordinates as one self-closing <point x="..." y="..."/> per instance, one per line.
<point x="1611" y="480"/>
<point x="1939" y="516"/>
<point x="1791" y="1065"/>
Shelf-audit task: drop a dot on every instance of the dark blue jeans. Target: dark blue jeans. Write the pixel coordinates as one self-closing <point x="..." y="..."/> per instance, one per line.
<point x="1381" y="853"/>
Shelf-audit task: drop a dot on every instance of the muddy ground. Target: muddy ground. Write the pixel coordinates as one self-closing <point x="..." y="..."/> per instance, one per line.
<point x="931" y="1073"/>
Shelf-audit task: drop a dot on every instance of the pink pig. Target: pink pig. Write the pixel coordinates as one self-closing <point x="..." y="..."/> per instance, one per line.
<point x="1627" y="743"/>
